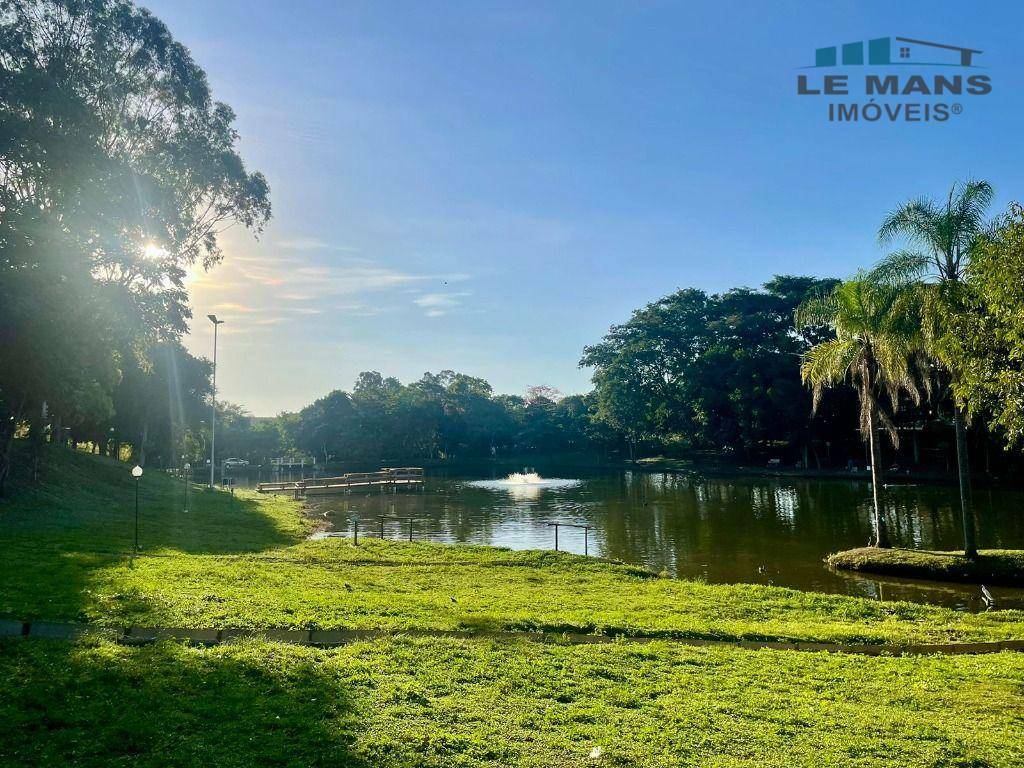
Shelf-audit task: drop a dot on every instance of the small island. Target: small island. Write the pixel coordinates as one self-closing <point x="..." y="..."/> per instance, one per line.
<point x="1003" y="567"/>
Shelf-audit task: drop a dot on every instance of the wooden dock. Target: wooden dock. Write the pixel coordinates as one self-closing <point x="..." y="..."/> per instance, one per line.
<point x="388" y="478"/>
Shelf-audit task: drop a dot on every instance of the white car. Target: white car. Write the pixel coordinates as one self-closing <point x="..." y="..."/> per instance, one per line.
<point x="235" y="463"/>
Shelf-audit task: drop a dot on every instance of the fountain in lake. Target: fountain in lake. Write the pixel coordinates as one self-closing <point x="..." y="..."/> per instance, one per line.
<point x="526" y="484"/>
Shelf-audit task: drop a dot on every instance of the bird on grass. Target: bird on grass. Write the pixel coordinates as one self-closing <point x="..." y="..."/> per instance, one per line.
<point x="987" y="598"/>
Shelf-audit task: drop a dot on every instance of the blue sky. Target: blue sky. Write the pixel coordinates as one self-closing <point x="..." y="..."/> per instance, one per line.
<point x="488" y="186"/>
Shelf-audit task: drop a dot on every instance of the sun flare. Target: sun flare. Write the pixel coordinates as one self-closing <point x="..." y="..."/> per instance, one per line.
<point x="153" y="251"/>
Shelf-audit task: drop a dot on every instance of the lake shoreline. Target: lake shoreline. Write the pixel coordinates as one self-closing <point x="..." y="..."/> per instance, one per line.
<point x="999" y="567"/>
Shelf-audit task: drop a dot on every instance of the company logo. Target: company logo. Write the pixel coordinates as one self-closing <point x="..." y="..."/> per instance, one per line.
<point x="880" y="81"/>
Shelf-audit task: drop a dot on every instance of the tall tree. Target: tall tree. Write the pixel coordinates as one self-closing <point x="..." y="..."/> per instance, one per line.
<point x="941" y="236"/>
<point x="159" y="400"/>
<point x="709" y="371"/>
<point x="54" y="331"/>
<point x="108" y="120"/>
<point x="987" y="337"/>
<point x="118" y="170"/>
<point x="876" y="337"/>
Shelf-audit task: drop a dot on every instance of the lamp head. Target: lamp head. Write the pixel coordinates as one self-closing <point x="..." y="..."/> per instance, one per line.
<point x="136" y="471"/>
<point x="214" y="320"/>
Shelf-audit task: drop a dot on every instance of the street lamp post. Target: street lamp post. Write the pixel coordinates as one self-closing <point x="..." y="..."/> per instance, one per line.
<point x="188" y="477"/>
<point x="136" y="473"/>
<point x="213" y="422"/>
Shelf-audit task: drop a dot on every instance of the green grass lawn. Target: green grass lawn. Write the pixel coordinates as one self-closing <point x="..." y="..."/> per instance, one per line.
<point x="433" y="701"/>
<point x="992" y="566"/>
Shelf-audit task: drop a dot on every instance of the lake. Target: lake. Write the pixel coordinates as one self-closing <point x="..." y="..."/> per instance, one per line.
<point x="724" y="530"/>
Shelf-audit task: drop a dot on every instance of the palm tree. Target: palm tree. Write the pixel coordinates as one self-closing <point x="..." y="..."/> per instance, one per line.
<point x="876" y="339"/>
<point x="941" y="237"/>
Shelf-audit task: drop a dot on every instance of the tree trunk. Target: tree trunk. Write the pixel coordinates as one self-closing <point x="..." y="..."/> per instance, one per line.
<point x="36" y="442"/>
<point x="7" y="429"/>
<point x="143" y="439"/>
<point x="881" y="533"/>
<point x="964" y="472"/>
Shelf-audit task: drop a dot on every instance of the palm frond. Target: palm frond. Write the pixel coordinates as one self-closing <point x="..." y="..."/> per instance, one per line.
<point x="933" y="313"/>
<point x="827" y="365"/>
<point x="829" y="362"/>
<point x="916" y="221"/>
<point x="971" y="200"/>
<point x="878" y="339"/>
<point x="887" y="425"/>
<point x="924" y="368"/>
<point x="816" y="310"/>
<point x="946" y="232"/>
<point x="901" y="267"/>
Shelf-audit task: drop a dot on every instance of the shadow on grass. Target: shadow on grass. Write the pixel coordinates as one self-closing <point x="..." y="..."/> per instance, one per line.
<point x="79" y="520"/>
<point x="96" y="703"/>
<point x="87" y="504"/>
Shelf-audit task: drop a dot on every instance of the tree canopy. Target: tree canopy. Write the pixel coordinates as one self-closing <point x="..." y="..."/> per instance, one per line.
<point x="118" y="171"/>
<point x="713" y="372"/>
<point x="987" y="336"/>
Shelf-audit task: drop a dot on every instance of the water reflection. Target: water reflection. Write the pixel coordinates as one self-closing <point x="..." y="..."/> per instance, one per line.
<point x="724" y="530"/>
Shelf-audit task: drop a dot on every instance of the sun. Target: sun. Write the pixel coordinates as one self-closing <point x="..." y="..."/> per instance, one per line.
<point x="153" y="251"/>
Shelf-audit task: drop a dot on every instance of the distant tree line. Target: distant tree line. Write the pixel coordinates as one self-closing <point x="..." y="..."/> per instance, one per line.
<point x="444" y="415"/>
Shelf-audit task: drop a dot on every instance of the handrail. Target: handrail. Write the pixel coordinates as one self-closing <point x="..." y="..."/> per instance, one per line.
<point x="384" y="476"/>
<point x="586" y="534"/>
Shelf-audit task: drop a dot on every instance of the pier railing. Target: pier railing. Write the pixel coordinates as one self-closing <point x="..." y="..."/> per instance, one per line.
<point x="387" y="477"/>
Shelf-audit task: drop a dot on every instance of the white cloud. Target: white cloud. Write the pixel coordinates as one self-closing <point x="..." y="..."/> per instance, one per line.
<point x="312" y="244"/>
<point x="438" y="304"/>
<point x="233" y="306"/>
<point x="256" y="289"/>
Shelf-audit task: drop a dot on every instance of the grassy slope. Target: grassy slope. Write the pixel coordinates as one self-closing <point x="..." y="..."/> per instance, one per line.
<point x="993" y="566"/>
<point x="246" y="563"/>
<point x="437" y="702"/>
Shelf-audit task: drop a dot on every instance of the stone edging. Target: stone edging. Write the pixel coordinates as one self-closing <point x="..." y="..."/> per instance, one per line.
<point x="330" y="638"/>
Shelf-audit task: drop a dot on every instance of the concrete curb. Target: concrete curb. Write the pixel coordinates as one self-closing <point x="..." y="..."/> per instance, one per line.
<point x="332" y="638"/>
